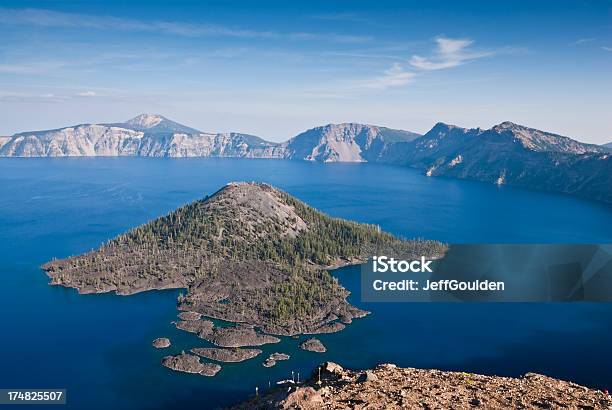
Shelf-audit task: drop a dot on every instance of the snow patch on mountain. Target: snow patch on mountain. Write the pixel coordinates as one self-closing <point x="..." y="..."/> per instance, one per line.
<point x="4" y="140"/>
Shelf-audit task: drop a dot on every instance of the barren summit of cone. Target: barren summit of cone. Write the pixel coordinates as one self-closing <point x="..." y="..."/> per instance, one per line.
<point x="255" y="202"/>
<point x="146" y="120"/>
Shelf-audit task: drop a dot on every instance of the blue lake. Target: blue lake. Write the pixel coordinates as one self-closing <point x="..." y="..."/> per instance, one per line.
<point x="99" y="346"/>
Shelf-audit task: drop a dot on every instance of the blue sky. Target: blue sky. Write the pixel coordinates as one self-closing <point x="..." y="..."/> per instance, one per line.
<point x="276" y="68"/>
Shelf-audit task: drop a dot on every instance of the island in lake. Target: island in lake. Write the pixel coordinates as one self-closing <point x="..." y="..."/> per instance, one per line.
<point x="251" y="255"/>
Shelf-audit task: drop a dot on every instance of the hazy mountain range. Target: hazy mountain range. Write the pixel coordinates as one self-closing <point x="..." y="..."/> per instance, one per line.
<point x="507" y="153"/>
<point x="156" y="136"/>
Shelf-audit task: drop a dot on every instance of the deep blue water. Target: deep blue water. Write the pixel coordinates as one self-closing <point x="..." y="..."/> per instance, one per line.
<point x="98" y="346"/>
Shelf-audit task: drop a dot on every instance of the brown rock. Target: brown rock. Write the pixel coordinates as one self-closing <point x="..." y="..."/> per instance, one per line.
<point x="390" y="387"/>
<point x="161" y="343"/>
<point x="226" y="355"/>
<point x="189" y="315"/>
<point x="188" y="363"/>
<point x="302" y="398"/>
<point x="368" y="376"/>
<point x="274" y="357"/>
<point x="313" y="345"/>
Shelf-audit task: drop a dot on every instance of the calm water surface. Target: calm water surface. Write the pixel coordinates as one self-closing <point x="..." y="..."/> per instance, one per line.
<point x="98" y="346"/>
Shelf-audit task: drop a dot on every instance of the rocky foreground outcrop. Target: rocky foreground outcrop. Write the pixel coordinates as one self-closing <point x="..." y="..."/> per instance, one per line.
<point x="391" y="387"/>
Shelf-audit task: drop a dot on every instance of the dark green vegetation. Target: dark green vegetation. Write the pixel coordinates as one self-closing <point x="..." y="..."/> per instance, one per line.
<point x="249" y="253"/>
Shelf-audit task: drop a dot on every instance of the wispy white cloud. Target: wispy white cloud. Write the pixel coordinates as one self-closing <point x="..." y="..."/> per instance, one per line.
<point x="55" y="19"/>
<point x="449" y="53"/>
<point x="396" y="76"/>
<point x="583" y="40"/>
<point x="86" y="94"/>
<point x="606" y="48"/>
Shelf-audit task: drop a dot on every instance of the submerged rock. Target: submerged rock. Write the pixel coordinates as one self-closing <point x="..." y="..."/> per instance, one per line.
<point x="313" y="345"/>
<point x="161" y="342"/>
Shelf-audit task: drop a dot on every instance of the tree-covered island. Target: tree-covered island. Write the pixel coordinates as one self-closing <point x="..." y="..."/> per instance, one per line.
<point x="249" y="254"/>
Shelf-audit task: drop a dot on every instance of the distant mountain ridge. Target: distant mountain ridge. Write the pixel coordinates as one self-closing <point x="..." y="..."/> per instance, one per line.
<point x="510" y="154"/>
<point x="144" y="135"/>
<point x="346" y="142"/>
<point x="507" y="153"/>
<point x="156" y="136"/>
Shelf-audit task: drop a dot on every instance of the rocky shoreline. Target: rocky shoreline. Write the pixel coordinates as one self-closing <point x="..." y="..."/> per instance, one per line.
<point x="390" y="387"/>
<point x="240" y="335"/>
<point x="226" y="355"/>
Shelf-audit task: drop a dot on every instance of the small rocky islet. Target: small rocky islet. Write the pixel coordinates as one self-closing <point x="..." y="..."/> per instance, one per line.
<point x="275" y="357"/>
<point x="161" y="343"/>
<point x="189" y="363"/>
<point x="313" y="345"/>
